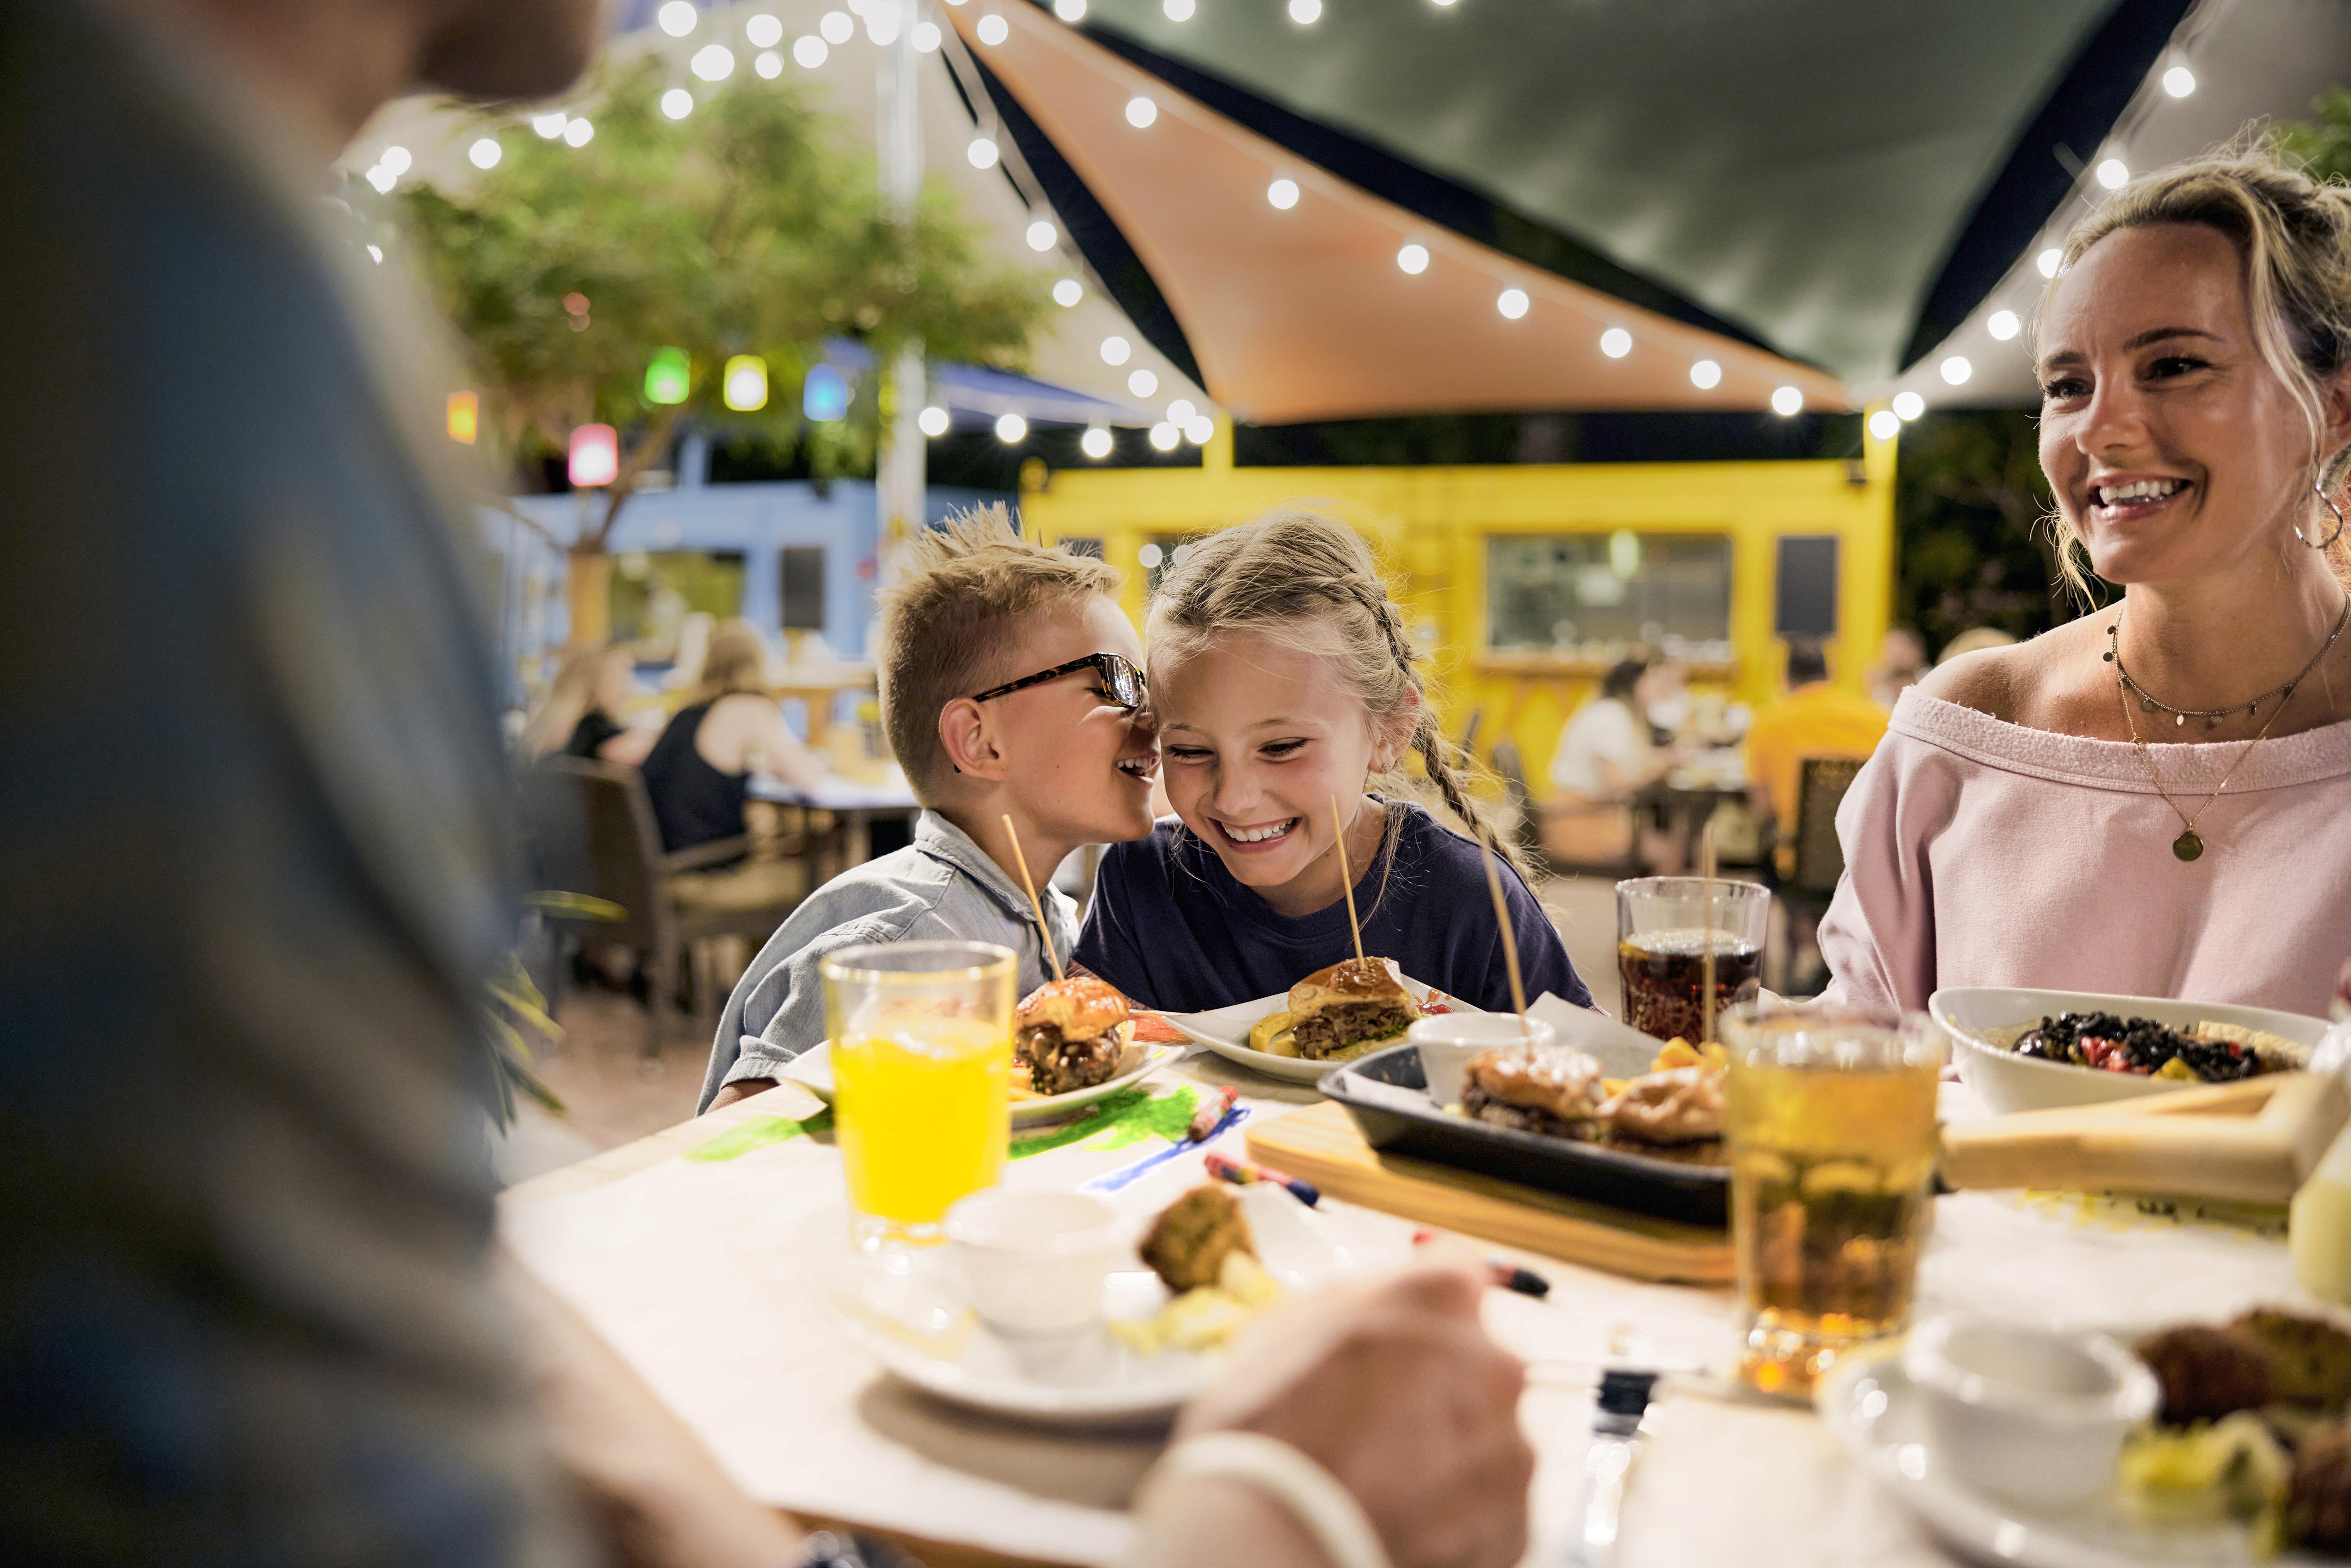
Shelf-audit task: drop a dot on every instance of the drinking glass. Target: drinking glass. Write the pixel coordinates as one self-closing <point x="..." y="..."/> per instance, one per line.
<point x="1664" y="926"/>
<point x="922" y="1059"/>
<point x="1831" y="1124"/>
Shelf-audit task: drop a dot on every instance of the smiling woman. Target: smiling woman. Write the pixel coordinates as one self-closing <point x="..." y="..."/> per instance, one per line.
<point x="2160" y="780"/>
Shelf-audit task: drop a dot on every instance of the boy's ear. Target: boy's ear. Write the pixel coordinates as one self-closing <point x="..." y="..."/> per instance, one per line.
<point x="969" y="740"/>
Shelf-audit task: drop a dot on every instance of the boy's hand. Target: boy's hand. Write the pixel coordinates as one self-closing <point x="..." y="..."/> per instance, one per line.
<point x="741" y="1089"/>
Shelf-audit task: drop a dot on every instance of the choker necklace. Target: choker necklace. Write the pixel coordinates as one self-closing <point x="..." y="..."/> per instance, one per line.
<point x="2148" y="701"/>
<point x="2187" y="846"/>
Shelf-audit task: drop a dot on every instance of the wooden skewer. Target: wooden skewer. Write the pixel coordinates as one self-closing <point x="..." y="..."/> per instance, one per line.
<point x="1706" y="872"/>
<point x="1347" y="878"/>
<point x="1492" y="859"/>
<point x="1044" y="932"/>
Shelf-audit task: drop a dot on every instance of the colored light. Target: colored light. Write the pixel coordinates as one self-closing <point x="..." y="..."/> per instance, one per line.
<point x="1181" y="412"/>
<point x="809" y="51"/>
<point x="1095" y="442"/>
<point x="932" y="420"/>
<point x="1141" y="112"/>
<point x="1414" y="259"/>
<point x="1885" y="424"/>
<point x="1282" y="193"/>
<point x="713" y="62"/>
<point x="464" y="417"/>
<point x="824" y="396"/>
<point x="763" y="31"/>
<point x="486" y="153"/>
<point x="575" y="304"/>
<point x="1068" y="291"/>
<point x="1115" y="349"/>
<point x="993" y="29"/>
<point x="1512" y="303"/>
<point x="1956" y="370"/>
<point x="2179" y="81"/>
<point x="836" y="28"/>
<point x="1787" y="401"/>
<point x="1012" y="428"/>
<point x="982" y="153"/>
<point x="2003" y="325"/>
<point x="550" y="126"/>
<point x="768" y="64"/>
<point x="2113" y="173"/>
<point x="1164" y="437"/>
<point x="677" y="104"/>
<point x="595" y="455"/>
<point x="2049" y="261"/>
<point x="1142" y="384"/>
<point x="1070" y="11"/>
<point x="1615" y="342"/>
<point x="926" y="36"/>
<point x="1043" y="235"/>
<point x="1706" y="375"/>
<point x="1909" y="405"/>
<point x="668" y="377"/>
<point x="746" y="386"/>
<point x="579" y="132"/>
<point x="676" y="18"/>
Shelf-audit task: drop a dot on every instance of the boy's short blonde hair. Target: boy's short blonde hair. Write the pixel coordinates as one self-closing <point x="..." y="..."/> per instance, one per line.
<point x="951" y="620"/>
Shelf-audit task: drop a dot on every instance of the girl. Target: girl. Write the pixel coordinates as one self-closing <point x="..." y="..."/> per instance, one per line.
<point x="1282" y="678"/>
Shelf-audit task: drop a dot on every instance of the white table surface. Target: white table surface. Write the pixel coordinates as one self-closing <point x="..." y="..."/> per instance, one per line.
<point x="689" y="1268"/>
<point x="836" y="794"/>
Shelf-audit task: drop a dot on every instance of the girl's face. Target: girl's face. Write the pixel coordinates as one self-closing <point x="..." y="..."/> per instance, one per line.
<point x="2172" y="448"/>
<point x="1256" y="739"/>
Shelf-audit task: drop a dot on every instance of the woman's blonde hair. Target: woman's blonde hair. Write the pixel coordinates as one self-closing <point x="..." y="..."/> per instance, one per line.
<point x="736" y="662"/>
<point x="2293" y="235"/>
<point x="1311" y="583"/>
<point x="566" y="700"/>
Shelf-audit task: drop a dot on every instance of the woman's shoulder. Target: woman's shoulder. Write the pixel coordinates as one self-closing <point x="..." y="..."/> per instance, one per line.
<point x="2020" y="684"/>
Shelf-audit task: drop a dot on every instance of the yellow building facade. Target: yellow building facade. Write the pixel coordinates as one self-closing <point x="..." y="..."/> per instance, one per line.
<point x="1472" y="552"/>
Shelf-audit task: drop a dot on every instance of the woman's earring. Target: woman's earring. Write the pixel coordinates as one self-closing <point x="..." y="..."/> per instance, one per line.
<point x="2329" y="502"/>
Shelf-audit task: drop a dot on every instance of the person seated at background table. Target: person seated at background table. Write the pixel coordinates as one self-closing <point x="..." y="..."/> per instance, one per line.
<point x="1814" y="719"/>
<point x="1287" y="691"/>
<point x="580" y="716"/>
<point x="252" y="1309"/>
<point x="2149" y="800"/>
<point x="1010" y="685"/>
<point x="1605" y="758"/>
<point x="1901" y="665"/>
<point x="700" y="768"/>
<point x="1974" y="640"/>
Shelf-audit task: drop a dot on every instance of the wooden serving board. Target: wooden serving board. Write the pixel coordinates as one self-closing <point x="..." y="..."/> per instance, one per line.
<point x="1322" y="1145"/>
<point x="2255" y="1141"/>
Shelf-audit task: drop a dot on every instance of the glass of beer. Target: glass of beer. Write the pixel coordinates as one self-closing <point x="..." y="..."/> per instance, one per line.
<point x="921" y="1063"/>
<point x="1831" y="1131"/>
<point x="1666" y="927"/>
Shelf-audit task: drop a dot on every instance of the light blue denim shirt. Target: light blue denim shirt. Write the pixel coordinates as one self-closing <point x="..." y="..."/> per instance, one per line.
<point x="942" y="887"/>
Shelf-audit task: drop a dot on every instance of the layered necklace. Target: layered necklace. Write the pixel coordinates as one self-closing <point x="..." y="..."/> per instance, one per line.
<point x="2187" y="846"/>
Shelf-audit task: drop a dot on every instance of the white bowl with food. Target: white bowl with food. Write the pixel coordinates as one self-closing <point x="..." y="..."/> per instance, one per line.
<point x="1035" y="1261"/>
<point x="2027" y="1050"/>
<point x="2032" y="1414"/>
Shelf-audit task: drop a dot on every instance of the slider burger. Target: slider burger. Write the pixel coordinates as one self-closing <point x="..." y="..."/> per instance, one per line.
<point x="1551" y="1090"/>
<point x="1072" y="1034"/>
<point x="1340" y="1013"/>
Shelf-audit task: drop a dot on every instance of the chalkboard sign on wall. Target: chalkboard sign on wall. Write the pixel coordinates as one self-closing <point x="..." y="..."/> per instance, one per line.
<point x="1805" y="602"/>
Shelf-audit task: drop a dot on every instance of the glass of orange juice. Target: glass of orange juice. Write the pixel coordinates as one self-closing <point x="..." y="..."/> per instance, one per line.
<point x="1833" y="1141"/>
<point x="921" y="1063"/>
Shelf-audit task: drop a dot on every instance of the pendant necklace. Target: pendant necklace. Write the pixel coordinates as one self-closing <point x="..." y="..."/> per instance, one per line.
<point x="2187" y="846"/>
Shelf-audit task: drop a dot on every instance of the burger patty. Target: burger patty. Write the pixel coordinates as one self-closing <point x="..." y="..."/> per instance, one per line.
<point x="1342" y="1024"/>
<point x="1476" y="1104"/>
<point x="1056" y="1066"/>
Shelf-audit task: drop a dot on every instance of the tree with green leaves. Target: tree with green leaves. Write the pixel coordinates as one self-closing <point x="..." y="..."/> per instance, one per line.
<point x="2322" y="144"/>
<point x="752" y="226"/>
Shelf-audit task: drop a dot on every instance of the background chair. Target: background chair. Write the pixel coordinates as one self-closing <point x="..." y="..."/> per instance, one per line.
<point x="1805" y="891"/>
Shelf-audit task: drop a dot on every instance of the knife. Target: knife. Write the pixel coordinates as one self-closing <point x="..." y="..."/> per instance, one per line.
<point x="1615" y="1440"/>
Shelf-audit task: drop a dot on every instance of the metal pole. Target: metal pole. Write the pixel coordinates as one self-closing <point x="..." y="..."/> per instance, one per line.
<point x="898" y="139"/>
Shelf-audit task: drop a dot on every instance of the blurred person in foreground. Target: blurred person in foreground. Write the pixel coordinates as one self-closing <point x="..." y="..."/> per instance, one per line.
<point x="1814" y="719"/>
<point x="260" y="867"/>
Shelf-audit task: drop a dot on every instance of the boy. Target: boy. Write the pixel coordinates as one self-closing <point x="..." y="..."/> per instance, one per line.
<point x="1011" y="682"/>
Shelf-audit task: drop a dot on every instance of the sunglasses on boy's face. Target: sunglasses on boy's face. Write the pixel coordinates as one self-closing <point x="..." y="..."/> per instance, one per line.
<point x="1122" y="682"/>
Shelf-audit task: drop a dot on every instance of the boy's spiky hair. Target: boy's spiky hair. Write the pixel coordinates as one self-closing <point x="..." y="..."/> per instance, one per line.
<point x="951" y="619"/>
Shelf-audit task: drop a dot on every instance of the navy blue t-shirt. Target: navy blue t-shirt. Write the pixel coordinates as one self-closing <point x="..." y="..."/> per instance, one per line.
<point x="1170" y="928"/>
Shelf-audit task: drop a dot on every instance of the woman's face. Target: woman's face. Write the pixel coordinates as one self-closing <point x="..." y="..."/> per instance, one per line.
<point x="2172" y="448"/>
<point x="616" y="680"/>
<point x="1256" y="739"/>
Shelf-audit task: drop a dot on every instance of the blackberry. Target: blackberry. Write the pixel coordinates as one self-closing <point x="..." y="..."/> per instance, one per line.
<point x="2144" y="1045"/>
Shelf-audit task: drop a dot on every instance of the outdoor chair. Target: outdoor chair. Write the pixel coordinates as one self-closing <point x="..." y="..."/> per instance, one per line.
<point x="1811" y="882"/>
<point x="593" y="827"/>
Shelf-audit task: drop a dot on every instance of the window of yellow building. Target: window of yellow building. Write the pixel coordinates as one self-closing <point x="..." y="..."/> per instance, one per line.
<point x="1591" y="595"/>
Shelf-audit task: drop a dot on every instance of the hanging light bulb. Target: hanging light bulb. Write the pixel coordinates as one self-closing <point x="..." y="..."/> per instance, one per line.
<point x="464" y="417"/>
<point x="746" y="386"/>
<point x="1177" y="10"/>
<point x="1164" y="437"/>
<point x="2113" y="173"/>
<point x="1142" y="384"/>
<point x="550" y="126"/>
<point x="395" y="162"/>
<point x="1070" y="11"/>
<point x="2003" y="325"/>
<point x="2179" y="81"/>
<point x="1095" y="442"/>
<point x="485" y="153"/>
<point x="932" y="420"/>
<point x="824" y="395"/>
<point x="712" y="62"/>
<point x="1141" y="111"/>
<point x="1012" y="428"/>
<point x="1067" y="292"/>
<point x="836" y="28"/>
<point x="994" y="29"/>
<point x="1306" y="13"/>
<point x="677" y="104"/>
<point x="1787" y="401"/>
<point x="1115" y="349"/>
<point x="1909" y="405"/>
<point x="2049" y="261"/>
<point x="925" y="37"/>
<point x="768" y="64"/>
<point x="1512" y="303"/>
<point x="667" y="377"/>
<point x="1200" y="431"/>
<point x="763" y="31"/>
<point x="809" y="51"/>
<point x="1043" y="235"/>
<point x="1956" y="370"/>
<point x="676" y="18"/>
<point x="1282" y="193"/>
<point x="595" y="455"/>
<point x="881" y="25"/>
<point x="1884" y="424"/>
<point x="1181" y="412"/>
<point x="579" y="132"/>
<point x="1414" y="259"/>
<point x="1706" y="375"/>
<point x="982" y="152"/>
<point x="1615" y="342"/>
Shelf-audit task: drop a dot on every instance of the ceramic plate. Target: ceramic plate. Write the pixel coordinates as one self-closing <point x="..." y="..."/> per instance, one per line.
<point x="812" y="1069"/>
<point x="911" y="1312"/>
<point x="2007" y="1082"/>
<point x="1875" y="1412"/>
<point x="1226" y="1031"/>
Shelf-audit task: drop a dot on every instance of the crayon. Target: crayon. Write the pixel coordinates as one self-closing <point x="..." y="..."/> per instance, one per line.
<point x="1242" y="1174"/>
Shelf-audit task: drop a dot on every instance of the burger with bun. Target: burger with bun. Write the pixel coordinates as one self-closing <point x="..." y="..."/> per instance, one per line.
<point x="1072" y="1034"/>
<point x="1359" y="1005"/>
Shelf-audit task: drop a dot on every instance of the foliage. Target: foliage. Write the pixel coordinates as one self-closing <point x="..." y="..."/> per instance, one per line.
<point x="514" y="1000"/>
<point x="2322" y="145"/>
<point x="755" y="225"/>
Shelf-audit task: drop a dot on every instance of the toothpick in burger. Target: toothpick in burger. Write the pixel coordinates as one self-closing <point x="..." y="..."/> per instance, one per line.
<point x="1357" y="1006"/>
<point x="1072" y="1034"/>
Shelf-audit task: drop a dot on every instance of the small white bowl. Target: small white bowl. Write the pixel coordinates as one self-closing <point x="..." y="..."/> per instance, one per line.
<point x="1448" y="1043"/>
<point x="2033" y="1414"/>
<point x="1034" y="1262"/>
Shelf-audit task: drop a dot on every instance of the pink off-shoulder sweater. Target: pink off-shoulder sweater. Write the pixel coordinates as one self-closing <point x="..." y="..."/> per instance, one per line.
<point x="1979" y="852"/>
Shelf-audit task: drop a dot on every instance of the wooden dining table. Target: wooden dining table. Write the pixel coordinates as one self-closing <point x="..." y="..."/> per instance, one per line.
<point x="690" y="1251"/>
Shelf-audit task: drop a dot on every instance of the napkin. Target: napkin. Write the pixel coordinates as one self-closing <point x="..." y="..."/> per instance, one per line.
<point x="1621" y="1050"/>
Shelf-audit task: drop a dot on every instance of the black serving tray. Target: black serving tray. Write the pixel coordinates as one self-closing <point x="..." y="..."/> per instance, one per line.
<point x="1411" y="1124"/>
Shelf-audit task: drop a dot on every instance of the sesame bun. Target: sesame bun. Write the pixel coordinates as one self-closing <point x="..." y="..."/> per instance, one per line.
<point x="1351" y="980"/>
<point x="1080" y="1007"/>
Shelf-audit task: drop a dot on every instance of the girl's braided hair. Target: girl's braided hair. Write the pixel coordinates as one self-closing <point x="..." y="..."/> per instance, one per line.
<point x="1310" y="581"/>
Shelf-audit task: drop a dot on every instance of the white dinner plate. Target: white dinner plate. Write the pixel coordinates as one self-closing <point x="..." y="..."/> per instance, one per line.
<point x="912" y="1312"/>
<point x="813" y="1070"/>
<point x="1227" y="1029"/>
<point x="1877" y="1415"/>
<point x="2007" y="1082"/>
